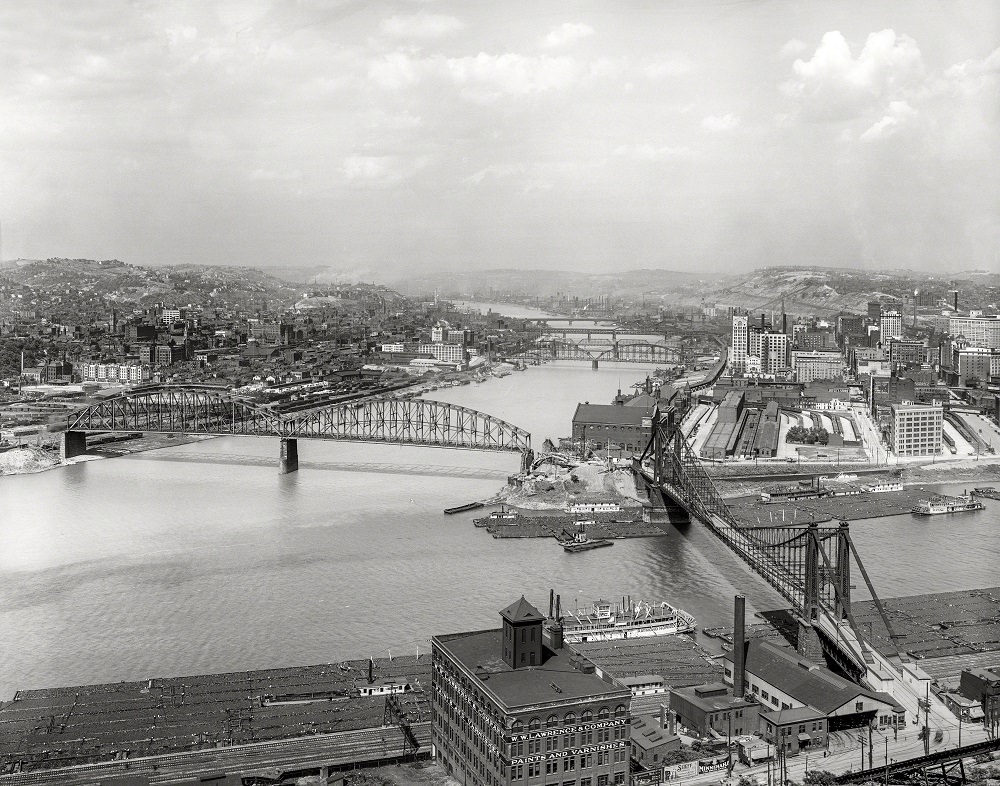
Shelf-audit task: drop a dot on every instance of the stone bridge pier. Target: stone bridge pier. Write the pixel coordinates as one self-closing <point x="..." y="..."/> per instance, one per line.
<point x="72" y="444"/>
<point x="288" y="460"/>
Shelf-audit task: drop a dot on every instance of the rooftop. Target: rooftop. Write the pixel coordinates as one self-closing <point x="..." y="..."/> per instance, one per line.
<point x="802" y="679"/>
<point x="556" y="680"/>
<point x="611" y="414"/>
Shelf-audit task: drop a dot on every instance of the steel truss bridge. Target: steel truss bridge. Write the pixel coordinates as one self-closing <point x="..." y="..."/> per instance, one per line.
<point x="808" y="564"/>
<point x="203" y="409"/>
<point x="618" y="351"/>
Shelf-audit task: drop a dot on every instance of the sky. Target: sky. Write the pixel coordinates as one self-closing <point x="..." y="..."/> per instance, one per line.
<point x="386" y="138"/>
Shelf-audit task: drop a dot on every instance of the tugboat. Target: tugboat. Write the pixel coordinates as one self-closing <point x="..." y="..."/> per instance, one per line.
<point x="579" y="541"/>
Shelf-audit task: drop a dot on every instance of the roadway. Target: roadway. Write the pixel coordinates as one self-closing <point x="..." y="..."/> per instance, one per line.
<point x="848" y="751"/>
<point x="300" y="753"/>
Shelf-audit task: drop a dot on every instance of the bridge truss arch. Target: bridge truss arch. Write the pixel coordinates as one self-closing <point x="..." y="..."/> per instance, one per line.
<point x="202" y="409"/>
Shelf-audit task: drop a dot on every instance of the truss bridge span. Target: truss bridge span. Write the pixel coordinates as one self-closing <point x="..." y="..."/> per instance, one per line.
<point x="204" y="409"/>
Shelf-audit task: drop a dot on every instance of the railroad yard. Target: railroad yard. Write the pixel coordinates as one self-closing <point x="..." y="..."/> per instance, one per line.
<point x="76" y="725"/>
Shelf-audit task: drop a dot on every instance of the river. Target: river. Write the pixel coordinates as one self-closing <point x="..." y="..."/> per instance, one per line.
<point x="201" y="558"/>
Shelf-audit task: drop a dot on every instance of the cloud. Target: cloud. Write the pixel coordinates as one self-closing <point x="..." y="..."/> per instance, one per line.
<point x="833" y="85"/>
<point x="720" y="123"/>
<point x="394" y="71"/>
<point x="648" y="152"/>
<point x="495" y="171"/>
<point x="381" y="171"/>
<point x="899" y="112"/>
<point x="486" y="77"/>
<point x="662" y="69"/>
<point x="567" y="33"/>
<point x="421" y="25"/>
<point x="792" y="48"/>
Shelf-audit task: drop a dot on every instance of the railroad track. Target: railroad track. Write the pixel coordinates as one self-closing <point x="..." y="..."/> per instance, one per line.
<point x="341" y="748"/>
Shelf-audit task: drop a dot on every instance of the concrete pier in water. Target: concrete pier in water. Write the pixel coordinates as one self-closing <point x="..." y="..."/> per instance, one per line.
<point x="72" y="444"/>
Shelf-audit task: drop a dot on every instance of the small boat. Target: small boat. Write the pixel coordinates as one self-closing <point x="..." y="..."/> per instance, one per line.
<point x="941" y="504"/>
<point x="579" y="541"/>
<point x="987" y="491"/>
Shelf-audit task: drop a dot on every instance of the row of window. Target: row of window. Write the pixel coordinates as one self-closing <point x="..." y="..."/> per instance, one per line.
<point x="570" y="718"/>
<point x="569" y="764"/>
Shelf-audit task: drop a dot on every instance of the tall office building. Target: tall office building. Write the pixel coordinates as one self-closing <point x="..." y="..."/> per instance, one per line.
<point x="741" y="338"/>
<point x="890" y="325"/>
<point x="916" y="429"/>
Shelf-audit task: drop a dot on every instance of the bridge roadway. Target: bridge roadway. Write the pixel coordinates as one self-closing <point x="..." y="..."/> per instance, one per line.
<point x="362" y="746"/>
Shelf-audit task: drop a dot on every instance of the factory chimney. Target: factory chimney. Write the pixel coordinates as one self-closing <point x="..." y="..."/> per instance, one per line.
<point x="739" y="646"/>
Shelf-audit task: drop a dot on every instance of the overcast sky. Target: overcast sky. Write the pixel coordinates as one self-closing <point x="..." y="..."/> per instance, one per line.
<point x="382" y="138"/>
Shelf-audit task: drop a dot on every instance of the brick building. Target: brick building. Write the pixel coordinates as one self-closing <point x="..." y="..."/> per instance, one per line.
<point x="513" y="706"/>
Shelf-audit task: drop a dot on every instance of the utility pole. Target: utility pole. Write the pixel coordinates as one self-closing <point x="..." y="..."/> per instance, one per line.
<point x="871" y="764"/>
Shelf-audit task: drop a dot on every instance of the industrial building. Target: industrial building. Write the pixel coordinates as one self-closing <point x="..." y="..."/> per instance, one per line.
<point x="513" y="706"/>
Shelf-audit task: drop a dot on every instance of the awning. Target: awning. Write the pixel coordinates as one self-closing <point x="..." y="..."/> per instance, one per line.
<point x="805" y="737"/>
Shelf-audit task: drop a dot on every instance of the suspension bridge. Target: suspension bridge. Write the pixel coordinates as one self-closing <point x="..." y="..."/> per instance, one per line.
<point x="205" y="409"/>
<point x="810" y="565"/>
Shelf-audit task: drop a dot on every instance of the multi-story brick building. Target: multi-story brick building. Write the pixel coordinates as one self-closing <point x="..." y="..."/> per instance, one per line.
<point x="513" y="706"/>
<point x="817" y="364"/>
<point x="916" y="429"/>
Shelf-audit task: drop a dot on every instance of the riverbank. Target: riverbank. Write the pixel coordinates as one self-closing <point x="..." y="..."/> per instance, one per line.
<point x="28" y="459"/>
<point x="558" y="487"/>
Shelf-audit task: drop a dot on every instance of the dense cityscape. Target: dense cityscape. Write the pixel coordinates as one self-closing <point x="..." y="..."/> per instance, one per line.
<point x="865" y="403"/>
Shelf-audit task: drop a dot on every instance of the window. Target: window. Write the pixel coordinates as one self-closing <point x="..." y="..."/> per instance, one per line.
<point x="584" y="781"/>
<point x="570" y="718"/>
<point x="604" y="714"/>
<point x="516" y="726"/>
<point x="533" y="724"/>
<point x="602" y="780"/>
<point x="551" y="767"/>
<point x="587" y="716"/>
<point x="620" y="711"/>
<point x="764" y="694"/>
<point x="551" y="721"/>
<point x="859" y="706"/>
<point x="774" y="701"/>
<point x="619" y="779"/>
<point x="570" y="763"/>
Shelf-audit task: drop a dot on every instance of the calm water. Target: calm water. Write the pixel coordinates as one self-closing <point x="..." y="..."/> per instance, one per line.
<point x="202" y="558"/>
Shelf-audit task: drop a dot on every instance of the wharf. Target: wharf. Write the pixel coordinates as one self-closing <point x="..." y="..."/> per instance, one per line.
<point x="60" y="727"/>
<point x="751" y="511"/>
<point x="599" y="526"/>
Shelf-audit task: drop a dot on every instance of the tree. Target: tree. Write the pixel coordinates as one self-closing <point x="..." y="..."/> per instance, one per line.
<point x="819" y="778"/>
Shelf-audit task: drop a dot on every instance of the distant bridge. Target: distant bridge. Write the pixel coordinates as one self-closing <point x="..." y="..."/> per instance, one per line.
<point x="204" y="409"/>
<point x="617" y="351"/>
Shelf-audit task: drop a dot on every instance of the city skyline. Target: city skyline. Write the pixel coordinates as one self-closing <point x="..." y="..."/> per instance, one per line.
<point x="384" y="139"/>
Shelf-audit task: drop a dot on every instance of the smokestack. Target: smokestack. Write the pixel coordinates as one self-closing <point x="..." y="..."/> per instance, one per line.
<point x="558" y="608"/>
<point x="552" y="596"/>
<point x="663" y="716"/>
<point x="956" y="300"/>
<point x="371" y="670"/>
<point x="739" y="646"/>
<point x="761" y="320"/>
<point x="784" y="322"/>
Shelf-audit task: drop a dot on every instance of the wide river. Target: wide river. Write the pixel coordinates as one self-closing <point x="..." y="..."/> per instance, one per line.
<point x="201" y="558"/>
